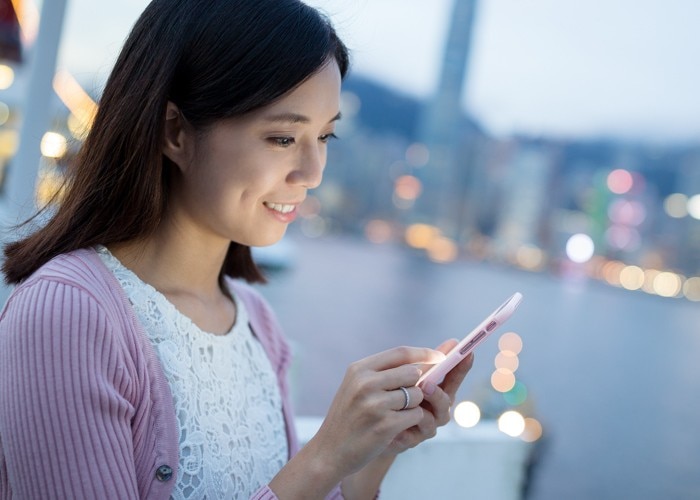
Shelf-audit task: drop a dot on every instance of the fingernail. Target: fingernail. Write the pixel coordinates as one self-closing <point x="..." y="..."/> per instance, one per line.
<point x="428" y="388"/>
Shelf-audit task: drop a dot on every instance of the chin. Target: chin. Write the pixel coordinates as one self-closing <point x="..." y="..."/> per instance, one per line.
<point x="266" y="240"/>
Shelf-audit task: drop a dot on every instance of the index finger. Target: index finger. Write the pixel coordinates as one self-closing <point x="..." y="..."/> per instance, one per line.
<point x="403" y="355"/>
<point x="455" y="377"/>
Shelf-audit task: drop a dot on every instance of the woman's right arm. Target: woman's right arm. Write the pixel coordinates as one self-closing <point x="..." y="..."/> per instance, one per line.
<point x="64" y="420"/>
<point x="364" y="418"/>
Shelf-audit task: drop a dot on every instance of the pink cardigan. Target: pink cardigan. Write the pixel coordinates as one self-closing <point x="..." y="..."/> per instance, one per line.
<point x="85" y="408"/>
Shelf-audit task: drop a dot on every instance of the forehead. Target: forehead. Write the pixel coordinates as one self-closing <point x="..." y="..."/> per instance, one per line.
<point x="317" y="98"/>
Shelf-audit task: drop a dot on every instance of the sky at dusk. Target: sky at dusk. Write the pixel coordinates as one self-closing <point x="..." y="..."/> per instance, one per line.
<point x="626" y="68"/>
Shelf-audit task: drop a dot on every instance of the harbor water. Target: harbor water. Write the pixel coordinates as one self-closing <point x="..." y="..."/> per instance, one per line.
<point x="612" y="375"/>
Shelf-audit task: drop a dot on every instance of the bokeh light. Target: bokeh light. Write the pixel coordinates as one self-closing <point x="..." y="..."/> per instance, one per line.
<point x="53" y="145"/>
<point x="421" y="235"/>
<point x="512" y="423"/>
<point x="510" y="341"/>
<point x="4" y="113"/>
<point x="530" y="257"/>
<point x="611" y="272"/>
<point x="407" y="187"/>
<point x="694" y="206"/>
<point x="7" y="76"/>
<point x="314" y="226"/>
<point x="442" y="250"/>
<point x="631" y="213"/>
<point x="378" y="231"/>
<point x="417" y="154"/>
<point x="623" y="238"/>
<point x="310" y="208"/>
<point x="620" y="181"/>
<point x="502" y="380"/>
<point x="676" y="205"/>
<point x="532" y="431"/>
<point x="580" y="248"/>
<point x="517" y="395"/>
<point x="9" y="141"/>
<point x="691" y="289"/>
<point x="632" y="277"/>
<point x="467" y="414"/>
<point x="49" y="186"/>
<point x="667" y="284"/>
<point x="507" y="360"/>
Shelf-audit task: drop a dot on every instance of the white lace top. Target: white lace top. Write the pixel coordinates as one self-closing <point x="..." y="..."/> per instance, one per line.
<point x="227" y="401"/>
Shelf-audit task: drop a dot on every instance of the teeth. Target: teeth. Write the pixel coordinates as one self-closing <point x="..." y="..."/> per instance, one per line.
<point x="285" y="209"/>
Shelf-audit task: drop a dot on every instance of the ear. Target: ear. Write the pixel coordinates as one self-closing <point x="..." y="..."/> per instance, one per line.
<point x="177" y="144"/>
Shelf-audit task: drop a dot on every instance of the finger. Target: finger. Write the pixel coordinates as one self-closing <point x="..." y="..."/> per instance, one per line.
<point x="401" y="376"/>
<point x="455" y="377"/>
<point x="427" y="426"/>
<point x="409" y="418"/>
<point x="439" y="403"/>
<point x="406" y="398"/>
<point x="402" y="356"/>
<point x="447" y="345"/>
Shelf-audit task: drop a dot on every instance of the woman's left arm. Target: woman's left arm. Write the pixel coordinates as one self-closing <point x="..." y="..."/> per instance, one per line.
<point x="365" y="483"/>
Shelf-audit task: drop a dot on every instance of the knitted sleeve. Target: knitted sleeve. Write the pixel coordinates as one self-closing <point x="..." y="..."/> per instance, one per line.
<point x="64" y="417"/>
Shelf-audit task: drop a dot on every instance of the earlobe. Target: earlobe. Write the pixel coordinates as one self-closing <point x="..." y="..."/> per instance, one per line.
<point x="175" y="136"/>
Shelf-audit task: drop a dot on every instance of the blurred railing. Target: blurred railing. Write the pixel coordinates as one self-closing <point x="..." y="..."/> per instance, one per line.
<point x="479" y="462"/>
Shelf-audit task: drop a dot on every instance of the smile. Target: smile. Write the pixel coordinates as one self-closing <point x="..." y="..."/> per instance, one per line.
<point x="279" y="207"/>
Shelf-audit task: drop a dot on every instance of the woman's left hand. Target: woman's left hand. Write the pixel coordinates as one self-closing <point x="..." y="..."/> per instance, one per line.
<point x="436" y="405"/>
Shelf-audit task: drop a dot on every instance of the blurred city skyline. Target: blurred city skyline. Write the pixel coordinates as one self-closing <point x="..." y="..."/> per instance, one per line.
<point x="618" y="68"/>
<point x="418" y="170"/>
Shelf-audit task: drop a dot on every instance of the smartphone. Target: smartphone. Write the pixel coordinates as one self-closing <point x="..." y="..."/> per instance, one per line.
<point x="438" y="371"/>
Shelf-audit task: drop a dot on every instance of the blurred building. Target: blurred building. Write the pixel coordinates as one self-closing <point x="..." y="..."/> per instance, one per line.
<point x="524" y="200"/>
<point x="446" y="172"/>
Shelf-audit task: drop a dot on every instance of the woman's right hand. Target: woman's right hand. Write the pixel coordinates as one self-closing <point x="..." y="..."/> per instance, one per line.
<point x="368" y="412"/>
<point x="366" y="415"/>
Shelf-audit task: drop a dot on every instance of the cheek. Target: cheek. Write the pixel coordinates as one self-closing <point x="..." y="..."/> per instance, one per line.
<point x="244" y="179"/>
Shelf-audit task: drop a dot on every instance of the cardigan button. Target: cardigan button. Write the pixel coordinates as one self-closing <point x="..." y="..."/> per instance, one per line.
<point x="164" y="473"/>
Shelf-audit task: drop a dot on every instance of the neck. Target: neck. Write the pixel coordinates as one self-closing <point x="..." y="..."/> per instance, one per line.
<point x="176" y="266"/>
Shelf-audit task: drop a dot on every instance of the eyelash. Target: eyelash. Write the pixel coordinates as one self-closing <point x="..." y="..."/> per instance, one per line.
<point x="325" y="138"/>
<point x="285" y="142"/>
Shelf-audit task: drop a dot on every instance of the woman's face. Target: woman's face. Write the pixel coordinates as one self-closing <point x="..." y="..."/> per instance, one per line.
<point x="247" y="176"/>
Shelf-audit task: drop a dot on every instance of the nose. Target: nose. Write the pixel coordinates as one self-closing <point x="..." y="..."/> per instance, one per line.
<point x="309" y="169"/>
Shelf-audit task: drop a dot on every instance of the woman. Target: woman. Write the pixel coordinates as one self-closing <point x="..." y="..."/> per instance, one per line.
<point x="134" y="360"/>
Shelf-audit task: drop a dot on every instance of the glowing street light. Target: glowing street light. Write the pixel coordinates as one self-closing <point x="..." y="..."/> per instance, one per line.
<point x="467" y="414"/>
<point x="512" y="423"/>
<point x="580" y="248"/>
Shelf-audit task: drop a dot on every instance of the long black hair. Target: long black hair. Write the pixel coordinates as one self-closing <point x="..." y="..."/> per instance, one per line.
<point x="214" y="59"/>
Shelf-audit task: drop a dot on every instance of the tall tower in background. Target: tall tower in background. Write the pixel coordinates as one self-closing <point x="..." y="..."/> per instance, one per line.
<point x="440" y="125"/>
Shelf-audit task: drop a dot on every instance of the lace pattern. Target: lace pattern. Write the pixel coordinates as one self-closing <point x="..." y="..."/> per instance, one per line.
<point x="227" y="401"/>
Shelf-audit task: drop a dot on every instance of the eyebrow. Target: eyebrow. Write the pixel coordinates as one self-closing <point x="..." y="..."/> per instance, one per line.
<point x="295" y="118"/>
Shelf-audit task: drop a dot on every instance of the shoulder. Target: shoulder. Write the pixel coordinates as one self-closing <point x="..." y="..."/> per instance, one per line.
<point x="64" y="283"/>
<point x="65" y="317"/>
<point x="80" y="268"/>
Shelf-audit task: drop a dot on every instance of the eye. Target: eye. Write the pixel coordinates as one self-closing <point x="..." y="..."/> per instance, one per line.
<point x="327" y="137"/>
<point x="283" y="142"/>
